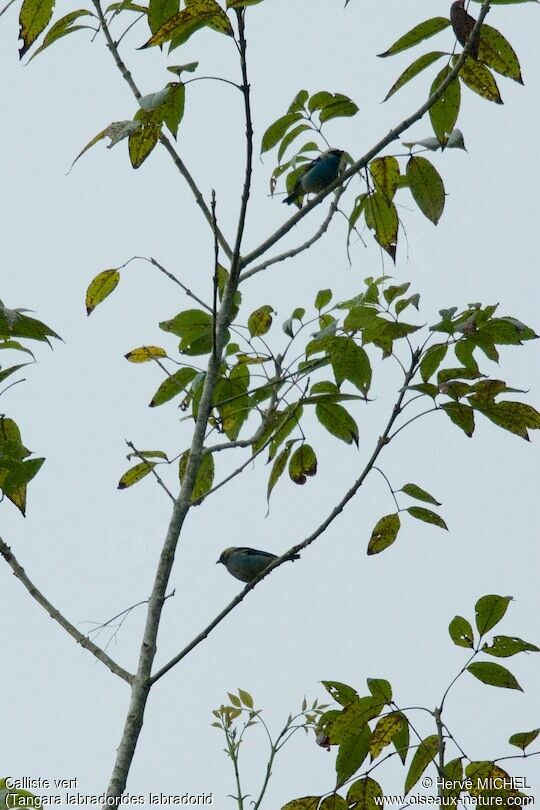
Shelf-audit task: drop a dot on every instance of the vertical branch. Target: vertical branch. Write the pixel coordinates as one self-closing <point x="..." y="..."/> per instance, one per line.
<point x="440" y="755"/>
<point x="236" y="264"/>
<point x="142" y="681"/>
<point x="216" y="264"/>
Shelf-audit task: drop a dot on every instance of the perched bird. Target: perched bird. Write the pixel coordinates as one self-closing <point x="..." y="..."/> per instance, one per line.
<point x="247" y="563"/>
<point x="317" y="175"/>
<point x="463" y="24"/>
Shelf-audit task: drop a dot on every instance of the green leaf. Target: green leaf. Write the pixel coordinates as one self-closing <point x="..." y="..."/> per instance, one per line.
<point x="287" y="420"/>
<point x="322" y="299"/>
<point x="395" y="291"/>
<point x="304" y="803"/>
<point x="432" y="359"/>
<point x="413" y="70"/>
<point x="289" y="138"/>
<point x="426" y="187"/>
<point x="493" y="675"/>
<point x="444" y="113"/>
<point x="246" y="698"/>
<point x="380" y="688"/>
<point x="489" y="610"/>
<point x="242" y="3"/>
<point x="340" y="692"/>
<point x="333" y="802"/>
<point x="422" y="31"/>
<point x="384" y="533"/>
<point x="424" y="754"/>
<point x="453" y="774"/>
<point x="340" y="107"/>
<point x="303" y="463"/>
<point x="480" y="80"/>
<point x="159" y="11"/>
<point x="401" y="739"/>
<point x="505" y="646"/>
<point x="260" y="321"/>
<point x="414" y="491"/>
<point x="385" y="173"/>
<point x="142" y="141"/>
<point x="198" y="14"/>
<point x="461" y="415"/>
<point x="382" y="218"/>
<point x="353" y="717"/>
<point x="384" y="732"/>
<point x="277" y="130"/>
<point x="204" y="478"/>
<point x="515" y="417"/>
<point x="7" y="372"/>
<point x="33" y="19"/>
<point x="100" y="288"/>
<point x="524" y="738"/>
<point x="173" y="108"/>
<point x="365" y="794"/>
<point x="278" y="468"/>
<point x="350" y="362"/>
<point x="338" y="422"/>
<point x="195" y="328"/>
<point x="461" y="632"/>
<point x="489" y="782"/>
<point x="494" y="50"/>
<point x="14" y="323"/>
<point x="62" y="28"/>
<point x="427" y="516"/>
<point x="172" y="386"/>
<point x="352" y="752"/>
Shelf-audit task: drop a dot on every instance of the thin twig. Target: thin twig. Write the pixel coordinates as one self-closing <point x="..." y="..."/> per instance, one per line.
<point x="289" y="254"/>
<point x="156" y="475"/>
<point x="55" y="614"/>
<point x="176" y="280"/>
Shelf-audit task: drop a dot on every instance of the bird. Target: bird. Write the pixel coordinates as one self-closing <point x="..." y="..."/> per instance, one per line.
<point x="247" y="563"/>
<point x="316" y="176"/>
<point x="463" y="24"/>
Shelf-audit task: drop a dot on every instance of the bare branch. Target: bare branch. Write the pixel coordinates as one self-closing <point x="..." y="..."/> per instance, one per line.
<point x="180" y="284"/>
<point x="289" y="254"/>
<point x="55" y="614"/>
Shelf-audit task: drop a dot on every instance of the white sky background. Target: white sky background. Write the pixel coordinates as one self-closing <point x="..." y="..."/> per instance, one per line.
<point x="336" y="614"/>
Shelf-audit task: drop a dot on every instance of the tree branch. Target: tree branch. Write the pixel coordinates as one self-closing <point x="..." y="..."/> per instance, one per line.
<point x="177" y="160"/>
<point x="288" y="555"/>
<point x="142" y="682"/>
<point x="55" y="614"/>
<point x="289" y="254"/>
<point x="382" y="144"/>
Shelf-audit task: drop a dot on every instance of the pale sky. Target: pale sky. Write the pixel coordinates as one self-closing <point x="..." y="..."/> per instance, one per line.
<point x="336" y="614"/>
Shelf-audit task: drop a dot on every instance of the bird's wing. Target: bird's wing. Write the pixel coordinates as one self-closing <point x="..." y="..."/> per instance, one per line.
<point x="253" y="552"/>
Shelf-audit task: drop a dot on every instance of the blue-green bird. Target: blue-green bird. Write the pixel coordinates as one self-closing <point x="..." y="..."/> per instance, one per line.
<point x="317" y="175"/>
<point x="247" y="563"/>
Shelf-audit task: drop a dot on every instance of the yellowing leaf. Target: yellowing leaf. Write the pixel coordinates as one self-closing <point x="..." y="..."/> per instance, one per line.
<point x="143" y="354"/>
<point x="100" y="288"/>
